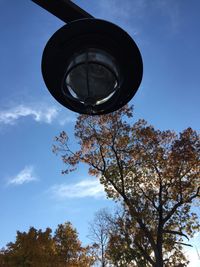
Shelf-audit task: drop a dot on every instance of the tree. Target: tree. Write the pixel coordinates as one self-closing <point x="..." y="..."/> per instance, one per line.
<point x="121" y="250"/>
<point x="116" y="233"/>
<point x="39" y="249"/>
<point x="99" y="230"/>
<point x="2" y="258"/>
<point x="156" y="174"/>
<point x="69" y="251"/>
<point x="34" y="248"/>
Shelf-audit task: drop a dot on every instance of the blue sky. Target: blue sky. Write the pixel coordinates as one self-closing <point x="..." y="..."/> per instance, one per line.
<point x="32" y="189"/>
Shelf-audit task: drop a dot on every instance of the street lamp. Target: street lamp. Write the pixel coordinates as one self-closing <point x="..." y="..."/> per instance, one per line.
<point x="90" y="66"/>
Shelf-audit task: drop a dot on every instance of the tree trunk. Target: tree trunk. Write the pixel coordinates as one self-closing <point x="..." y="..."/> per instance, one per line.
<point x="102" y="256"/>
<point x="159" y="256"/>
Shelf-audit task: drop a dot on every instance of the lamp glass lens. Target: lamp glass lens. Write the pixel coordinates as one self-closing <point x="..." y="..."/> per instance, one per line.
<point x="92" y="77"/>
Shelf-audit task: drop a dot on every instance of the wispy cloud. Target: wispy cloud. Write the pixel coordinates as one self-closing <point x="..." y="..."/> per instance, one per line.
<point x="66" y="118"/>
<point x="172" y="11"/>
<point x="38" y="112"/>
<point x="121" y="10"/>
<point x="82" y="189"/>
<point x="24" y="176"/>
<point x="130" y="15"/>
<point x="10" y="116"/>
<point x="123" y="13"/>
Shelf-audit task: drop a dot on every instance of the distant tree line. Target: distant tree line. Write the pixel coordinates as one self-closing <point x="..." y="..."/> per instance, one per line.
<point x="37" y="248"/>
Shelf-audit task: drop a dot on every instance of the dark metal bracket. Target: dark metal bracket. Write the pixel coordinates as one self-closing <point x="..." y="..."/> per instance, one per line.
<point x="65" y="10"/>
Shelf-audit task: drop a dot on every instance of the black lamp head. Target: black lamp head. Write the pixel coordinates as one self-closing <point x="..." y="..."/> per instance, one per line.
<point x="92" y="66"/>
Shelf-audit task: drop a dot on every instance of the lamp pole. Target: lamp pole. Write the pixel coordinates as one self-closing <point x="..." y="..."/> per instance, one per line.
<point x="65" y="10"/>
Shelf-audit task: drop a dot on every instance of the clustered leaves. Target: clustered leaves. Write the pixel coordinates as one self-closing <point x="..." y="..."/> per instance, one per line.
<point x="155" y="174"/>
<point x="40" y="249"/>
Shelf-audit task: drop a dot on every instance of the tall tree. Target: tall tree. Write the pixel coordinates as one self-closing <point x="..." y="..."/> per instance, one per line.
<point x="116" y="233"/>
<point x="99" y="232"/>
<point x="156" y="174"/>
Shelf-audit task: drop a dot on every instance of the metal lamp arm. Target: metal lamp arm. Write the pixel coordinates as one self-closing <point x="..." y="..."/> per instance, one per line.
<point x="65" y="10"/>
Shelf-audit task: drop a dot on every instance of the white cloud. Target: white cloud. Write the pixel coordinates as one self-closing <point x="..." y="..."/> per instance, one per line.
<point x="39" y="113"/>
<point x="45" y="114"/>
<point x="82" y="189"/>
<point x="24" y="176"/>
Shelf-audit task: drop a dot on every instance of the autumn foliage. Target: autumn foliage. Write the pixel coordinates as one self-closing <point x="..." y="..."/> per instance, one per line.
<point x="154" y="174"/>
<point x="38" y="248"/>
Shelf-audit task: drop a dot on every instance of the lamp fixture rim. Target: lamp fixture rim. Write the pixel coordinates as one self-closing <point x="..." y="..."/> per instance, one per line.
<point x="98" y="34"/>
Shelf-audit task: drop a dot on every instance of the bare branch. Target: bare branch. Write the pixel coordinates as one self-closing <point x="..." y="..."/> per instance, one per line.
<point x="175" y="233"/>
<point x="184" y="244"/>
